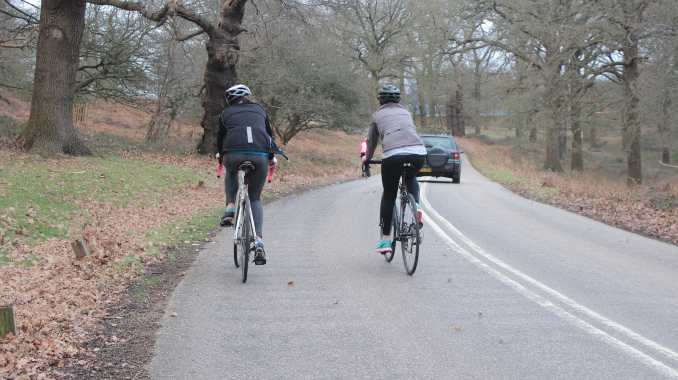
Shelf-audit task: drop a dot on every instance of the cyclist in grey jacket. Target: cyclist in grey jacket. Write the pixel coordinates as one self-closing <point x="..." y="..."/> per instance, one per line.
<point x="393" y="124"/>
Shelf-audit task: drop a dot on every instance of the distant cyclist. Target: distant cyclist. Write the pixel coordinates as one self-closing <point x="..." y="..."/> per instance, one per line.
<point x="393" y="124"/>
<point x="363" y="150"/>
<point x="245" y="134"/>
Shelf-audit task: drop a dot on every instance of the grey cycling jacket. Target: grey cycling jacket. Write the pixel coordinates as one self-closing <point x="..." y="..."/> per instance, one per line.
<point x="393" y="124"/>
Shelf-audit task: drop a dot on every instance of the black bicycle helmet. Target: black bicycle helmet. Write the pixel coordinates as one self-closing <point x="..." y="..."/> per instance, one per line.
<point x="237" y="92"/>
<point x="388" y="94"/>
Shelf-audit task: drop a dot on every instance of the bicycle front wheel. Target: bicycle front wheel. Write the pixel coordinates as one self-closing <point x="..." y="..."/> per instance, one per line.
<point x="409" y="234"/>
<point x="394" y="233"/>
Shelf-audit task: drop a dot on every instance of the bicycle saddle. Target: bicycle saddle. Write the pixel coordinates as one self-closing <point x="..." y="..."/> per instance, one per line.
<point x="247" y="166"/>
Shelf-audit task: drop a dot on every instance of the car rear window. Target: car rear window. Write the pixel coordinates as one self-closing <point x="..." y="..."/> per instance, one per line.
<point x="443" y="142"/>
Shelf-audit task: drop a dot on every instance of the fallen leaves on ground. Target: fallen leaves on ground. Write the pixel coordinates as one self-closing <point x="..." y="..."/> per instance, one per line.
<point x="59" y="301"/>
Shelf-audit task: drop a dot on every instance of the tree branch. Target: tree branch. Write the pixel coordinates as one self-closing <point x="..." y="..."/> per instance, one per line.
<point x="160" y="16"/>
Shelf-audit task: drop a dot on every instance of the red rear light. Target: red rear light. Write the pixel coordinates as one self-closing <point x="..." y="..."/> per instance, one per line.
<point x="456" y="154"/>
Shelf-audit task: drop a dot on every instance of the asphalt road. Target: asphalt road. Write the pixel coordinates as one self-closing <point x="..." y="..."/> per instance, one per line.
<point x="506" y="288"/>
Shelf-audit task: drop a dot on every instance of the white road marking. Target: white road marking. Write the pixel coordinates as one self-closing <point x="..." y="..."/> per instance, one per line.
<point x="646" y="359"/>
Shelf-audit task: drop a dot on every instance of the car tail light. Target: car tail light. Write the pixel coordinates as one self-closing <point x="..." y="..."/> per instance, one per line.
<point x="456" y="154"/>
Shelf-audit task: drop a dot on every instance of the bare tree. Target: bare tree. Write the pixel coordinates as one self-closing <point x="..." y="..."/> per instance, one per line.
<point x="18" y="37"/>
<point x="309" y="86"/>
<point x="373" y="30"/>
<point x="114" y="56"/>
<point x="18" y="24"/>
<point x="559" y="42"/>
<point x="50" y="128"/>
<point x="658" y="88"/>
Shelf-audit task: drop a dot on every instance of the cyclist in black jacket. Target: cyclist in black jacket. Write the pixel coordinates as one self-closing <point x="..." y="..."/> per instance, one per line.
<point x="245" y="134"/>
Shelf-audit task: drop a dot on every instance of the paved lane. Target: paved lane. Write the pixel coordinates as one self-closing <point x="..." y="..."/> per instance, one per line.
<point x="327" y="306"/>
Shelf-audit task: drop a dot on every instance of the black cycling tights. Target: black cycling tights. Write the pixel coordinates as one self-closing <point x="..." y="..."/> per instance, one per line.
<point x="390" y="176"/>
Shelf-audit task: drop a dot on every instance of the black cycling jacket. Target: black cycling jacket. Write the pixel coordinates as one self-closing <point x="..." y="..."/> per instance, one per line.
<point x="245" y="127"/>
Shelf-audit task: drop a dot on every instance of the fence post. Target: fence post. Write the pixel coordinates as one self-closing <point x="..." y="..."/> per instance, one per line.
<point x="7" y="320"/>
<point x="80" y="248"/>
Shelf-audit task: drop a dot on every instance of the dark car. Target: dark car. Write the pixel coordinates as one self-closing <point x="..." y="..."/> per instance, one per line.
<point x="442" y="159"/>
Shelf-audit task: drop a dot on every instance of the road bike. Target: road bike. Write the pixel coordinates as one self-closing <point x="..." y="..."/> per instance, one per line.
<point x="405" y="226"/>
<point x="243" y="227"/>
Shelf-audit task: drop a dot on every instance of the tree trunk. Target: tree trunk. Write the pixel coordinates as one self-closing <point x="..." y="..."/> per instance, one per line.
<point x="220" y="73"/>
<point x="562" y="141"/>
<point x="432" y="116"/>
<point x="666" y="156"/>
<point x="50" y="128"/>
<point x="455" y="114"/>
<point x="577" y="140"/>
<point x="519" y="132"/>
<point x="533" y="134"/>
<point x="477" y="78"/>
<point x="631" y="132"/>
<point x="593" y="137"/>
<point x="552" y="152"/>
<point x="422" y="111"/>
<point x="159" y="126"/>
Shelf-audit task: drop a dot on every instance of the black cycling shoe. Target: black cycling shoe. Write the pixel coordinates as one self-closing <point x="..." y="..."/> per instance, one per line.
<point x="227" y="218"/>
<point x="259" y="255"/>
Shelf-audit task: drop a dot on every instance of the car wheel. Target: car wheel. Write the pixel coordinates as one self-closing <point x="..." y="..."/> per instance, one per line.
<point x="456" y="179"/>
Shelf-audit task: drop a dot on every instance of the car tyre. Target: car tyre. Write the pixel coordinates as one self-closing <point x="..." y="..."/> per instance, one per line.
<point x="437" y="157"/>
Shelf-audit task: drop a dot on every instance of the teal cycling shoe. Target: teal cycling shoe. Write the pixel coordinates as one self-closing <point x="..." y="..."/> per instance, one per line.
<point x="384" y="246"/>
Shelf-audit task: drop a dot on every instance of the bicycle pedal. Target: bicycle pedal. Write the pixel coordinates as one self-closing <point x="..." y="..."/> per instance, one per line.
<point x="259" y="256"/>
<point x="419" y="239"/>
<point x="259" y="260"/>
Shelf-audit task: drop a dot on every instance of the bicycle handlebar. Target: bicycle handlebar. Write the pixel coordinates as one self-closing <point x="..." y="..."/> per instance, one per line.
<point x="220" y="171"/>
<point x="271" y="167"/>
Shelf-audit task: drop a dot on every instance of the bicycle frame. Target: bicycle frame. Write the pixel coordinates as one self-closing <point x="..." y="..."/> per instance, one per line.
<point x="244" y="222"/>
<point x="243" y="198"/>
<point x="403" y="194"/>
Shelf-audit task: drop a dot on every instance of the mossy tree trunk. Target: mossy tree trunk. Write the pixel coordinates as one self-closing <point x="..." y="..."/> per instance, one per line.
<point x="50" y="128"/>
<point x="222" y="57"/>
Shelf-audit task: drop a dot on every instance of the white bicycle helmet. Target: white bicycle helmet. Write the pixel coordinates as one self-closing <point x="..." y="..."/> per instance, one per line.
<point x="237" y="92"/>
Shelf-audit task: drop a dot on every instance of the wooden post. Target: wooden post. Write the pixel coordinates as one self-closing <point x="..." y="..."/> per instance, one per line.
<point x="7" y="320"/>
<point x="80" y="248"/>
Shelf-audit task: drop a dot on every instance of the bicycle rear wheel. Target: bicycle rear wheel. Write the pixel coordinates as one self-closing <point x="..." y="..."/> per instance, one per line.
<point x="245" y="239"/>
<point x="409" y="234"/>
<point x="237" y="228"/>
